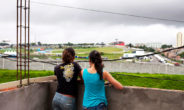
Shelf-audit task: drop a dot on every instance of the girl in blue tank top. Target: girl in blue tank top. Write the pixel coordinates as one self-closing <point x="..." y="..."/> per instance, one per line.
<point x="94" y="78"/>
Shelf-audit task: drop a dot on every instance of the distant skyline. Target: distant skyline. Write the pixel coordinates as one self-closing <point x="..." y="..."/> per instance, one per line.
<point x="51" y="24"/>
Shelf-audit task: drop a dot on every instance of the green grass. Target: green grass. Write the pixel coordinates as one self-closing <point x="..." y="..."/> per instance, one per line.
<point x="109" y="56"/>
<point x="88" y="50"/>
<point x="112" y="56"/>
<point x="57" y="51"/>
<point x="102" y="49"/>
<point x="2" y="51"/>
<point x="151" y="83"/>
<point x="10" y="75"/>
<point x="109" y="52"/>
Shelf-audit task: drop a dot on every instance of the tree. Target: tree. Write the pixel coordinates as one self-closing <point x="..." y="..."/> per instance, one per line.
<point x="33" y="44"/>
<point x="60" y="46"/>
<point x="181" y="55"/>
<point x="149" y="49"/>
<point x="130" y="45"/>
<point x="39" y="43"/>
<point x="11" y="46"/>
<point x="102" y="44"/>
<point x="4" y="44"/>
<point x="70" y="44"/>
<point x="166" y="46"/>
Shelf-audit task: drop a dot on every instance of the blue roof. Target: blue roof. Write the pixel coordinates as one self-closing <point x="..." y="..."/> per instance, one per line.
<point x="42" y="51"/>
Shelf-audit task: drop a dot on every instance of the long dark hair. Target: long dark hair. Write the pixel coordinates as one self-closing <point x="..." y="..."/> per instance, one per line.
<point x="68" y="55"/>
<point x="95" y="58"/>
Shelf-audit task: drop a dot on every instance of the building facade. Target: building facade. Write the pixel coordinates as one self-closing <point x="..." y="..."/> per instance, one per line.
<point x="179" y="39"/>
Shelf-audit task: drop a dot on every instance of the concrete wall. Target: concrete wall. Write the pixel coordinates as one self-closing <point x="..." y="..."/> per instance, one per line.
<point x="135" y="98"/>
<point x="39" y="96"/>
<point x="33" y="97"/>
<point x="109" y="66"/>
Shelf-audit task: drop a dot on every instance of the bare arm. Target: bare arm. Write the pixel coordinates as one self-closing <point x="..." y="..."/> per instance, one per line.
<point x="80" y="75"/>
<point x="107" y="76"/>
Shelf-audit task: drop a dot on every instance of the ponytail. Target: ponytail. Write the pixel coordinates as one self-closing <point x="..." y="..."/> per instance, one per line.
<point x="95" y="58"/>
<point x="99" y="69"/>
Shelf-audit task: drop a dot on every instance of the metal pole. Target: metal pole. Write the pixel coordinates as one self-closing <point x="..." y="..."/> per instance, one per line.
<point x="17" y="39"/>
<point x="20" y="42"/>
<point x="28" y="38"/>
<point x="25" y="55"/>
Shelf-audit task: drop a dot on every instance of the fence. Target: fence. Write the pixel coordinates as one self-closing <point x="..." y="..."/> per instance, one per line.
<point x="109" y="66"/>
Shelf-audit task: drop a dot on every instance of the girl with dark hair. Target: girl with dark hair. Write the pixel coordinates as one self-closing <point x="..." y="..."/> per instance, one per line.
<point x="67" y="73"/>
<point x="94" y="93"/>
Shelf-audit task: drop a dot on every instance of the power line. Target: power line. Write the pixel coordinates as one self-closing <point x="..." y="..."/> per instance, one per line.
<point x="108" y="12"/>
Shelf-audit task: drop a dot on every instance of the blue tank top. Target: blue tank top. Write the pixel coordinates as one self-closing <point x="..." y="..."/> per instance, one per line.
<point x="94" y="92"/>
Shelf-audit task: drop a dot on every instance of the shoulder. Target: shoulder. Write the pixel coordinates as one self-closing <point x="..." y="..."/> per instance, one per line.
<point x="75" y="63"/>
<point x="57" y="67"/>
<point x="84" y="71"/>
<point x="105" y="74"/>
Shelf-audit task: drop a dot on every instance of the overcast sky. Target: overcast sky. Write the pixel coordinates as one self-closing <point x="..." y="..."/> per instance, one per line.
<point x="52" y="24"/>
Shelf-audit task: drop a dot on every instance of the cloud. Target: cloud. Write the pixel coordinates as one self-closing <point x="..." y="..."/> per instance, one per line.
<point x="169" y="9"/>
<point x="80" y="33"/>
<point x="53" y="24"/>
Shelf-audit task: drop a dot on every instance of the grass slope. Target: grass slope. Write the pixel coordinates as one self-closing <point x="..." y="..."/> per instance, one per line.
<point x="10" y="75"/>
<point x="149" y="82"/>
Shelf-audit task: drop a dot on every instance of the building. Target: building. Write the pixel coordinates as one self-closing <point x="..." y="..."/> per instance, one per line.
<point x="4" y="44"/>
<point x="179" y="40"/>
<point x="137" y="52"/>
<point x="139" y="44"/>
<point x="174" y="54"/>
<point x="10" y="53"/>
<point x="120" y="43"/>
<point x="154" y="45"/>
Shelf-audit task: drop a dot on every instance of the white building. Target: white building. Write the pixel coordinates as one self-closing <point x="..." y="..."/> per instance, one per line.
<point x="179" y="39"/>
<point x="154" y="45"/>
<point x="10" y="53"/>
<point x="138" y="52"/>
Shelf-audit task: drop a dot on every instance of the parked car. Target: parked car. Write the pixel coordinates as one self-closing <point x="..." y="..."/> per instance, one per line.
<point x="176" y="64"/>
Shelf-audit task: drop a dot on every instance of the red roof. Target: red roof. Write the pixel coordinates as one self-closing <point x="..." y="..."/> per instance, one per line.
<point x="121" y="44"/>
